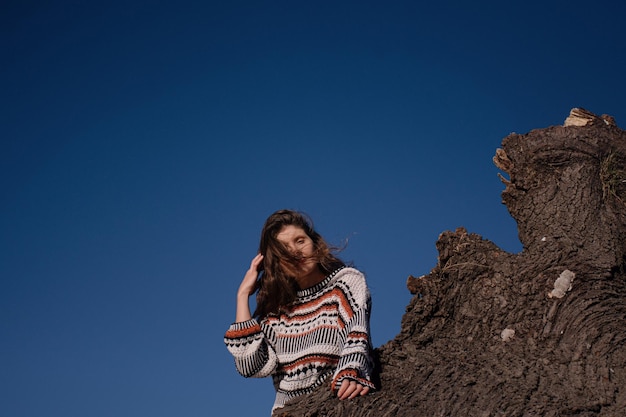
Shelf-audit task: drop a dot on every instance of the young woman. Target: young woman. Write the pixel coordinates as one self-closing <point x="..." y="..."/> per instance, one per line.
<point x="311" y="323"/>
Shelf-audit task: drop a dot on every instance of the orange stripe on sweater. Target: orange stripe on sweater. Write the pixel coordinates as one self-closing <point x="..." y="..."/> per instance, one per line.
<point x="310" y="359"/>
<point x="344" y="302"/>
<point x="321" y="304"/>
<point x="357" y="335"/>
<point x="295" y="318"/>
<point x="236" y="334"/>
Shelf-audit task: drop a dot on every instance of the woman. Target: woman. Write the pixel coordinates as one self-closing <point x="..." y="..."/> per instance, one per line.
<point x="311" y="323"/>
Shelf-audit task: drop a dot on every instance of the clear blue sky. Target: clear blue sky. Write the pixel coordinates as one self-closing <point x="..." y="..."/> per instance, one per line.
<point x="143" y="144"/>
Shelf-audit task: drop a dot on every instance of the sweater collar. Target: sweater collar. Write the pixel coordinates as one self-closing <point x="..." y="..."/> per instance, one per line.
<point x="320" y="285"/>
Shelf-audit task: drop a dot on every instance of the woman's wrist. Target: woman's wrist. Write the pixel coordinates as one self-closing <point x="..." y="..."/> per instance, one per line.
<point x="243" y="295"/>
<point x="243" y="308"/>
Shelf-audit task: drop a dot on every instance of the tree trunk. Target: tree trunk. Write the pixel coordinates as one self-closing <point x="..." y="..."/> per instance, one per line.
<point x="539" y="333"/>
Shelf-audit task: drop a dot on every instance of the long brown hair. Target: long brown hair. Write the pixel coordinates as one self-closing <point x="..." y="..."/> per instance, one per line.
<point x="276" y="289"/>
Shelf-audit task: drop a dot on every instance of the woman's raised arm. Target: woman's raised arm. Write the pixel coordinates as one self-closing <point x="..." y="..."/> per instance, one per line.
<point x="246" y="288"/>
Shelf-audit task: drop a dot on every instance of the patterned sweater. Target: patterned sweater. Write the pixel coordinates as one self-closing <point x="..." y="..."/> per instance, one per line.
<point x="325" y="333"/>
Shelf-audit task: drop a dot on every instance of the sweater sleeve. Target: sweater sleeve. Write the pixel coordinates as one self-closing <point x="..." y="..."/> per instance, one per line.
<point x="355" y="360"/>
<point x="254" y="356"/>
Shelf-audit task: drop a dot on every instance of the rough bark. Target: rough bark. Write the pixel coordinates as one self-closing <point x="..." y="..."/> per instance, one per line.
<point x="539" y="333"/>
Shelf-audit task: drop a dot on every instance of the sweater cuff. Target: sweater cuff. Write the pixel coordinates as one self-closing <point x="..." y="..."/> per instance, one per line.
<point x="351" y="374"/>
<point x="243" y="329"/>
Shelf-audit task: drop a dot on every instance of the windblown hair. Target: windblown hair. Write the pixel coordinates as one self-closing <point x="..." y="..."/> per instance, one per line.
<point x="276" y="288"/>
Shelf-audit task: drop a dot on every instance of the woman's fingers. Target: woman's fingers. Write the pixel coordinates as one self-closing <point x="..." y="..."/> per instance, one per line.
<point x="256" y="261"/>
<point x="351" y="389"/>
<point x="253" y="272"/>
<point x="358" y="388"/>
<point x="345" y="385"/>
<point x="249" y="280"/>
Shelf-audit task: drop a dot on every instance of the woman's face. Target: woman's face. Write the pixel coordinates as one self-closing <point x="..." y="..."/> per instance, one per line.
<point x="301" y="246"/>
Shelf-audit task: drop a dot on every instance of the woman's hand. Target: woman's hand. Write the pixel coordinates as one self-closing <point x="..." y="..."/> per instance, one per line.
<point x="249" y="280"/>
<point x="351" y="389"/>
<point x="246" y="288"/>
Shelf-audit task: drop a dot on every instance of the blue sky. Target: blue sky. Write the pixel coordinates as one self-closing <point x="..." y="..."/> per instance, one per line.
<point x="143" y="144"/>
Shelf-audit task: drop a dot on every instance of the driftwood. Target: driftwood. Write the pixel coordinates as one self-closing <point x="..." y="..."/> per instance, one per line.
<point x="539" y="333"/>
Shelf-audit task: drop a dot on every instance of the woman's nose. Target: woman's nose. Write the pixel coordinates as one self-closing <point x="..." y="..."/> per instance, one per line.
<point x="295" y="251"/>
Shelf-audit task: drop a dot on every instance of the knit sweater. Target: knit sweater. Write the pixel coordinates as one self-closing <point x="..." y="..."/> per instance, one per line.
<point x="324" y="333"/>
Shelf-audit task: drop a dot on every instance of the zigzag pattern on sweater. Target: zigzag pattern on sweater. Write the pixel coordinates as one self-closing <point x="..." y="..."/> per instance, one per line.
<point x="324" y="333"/>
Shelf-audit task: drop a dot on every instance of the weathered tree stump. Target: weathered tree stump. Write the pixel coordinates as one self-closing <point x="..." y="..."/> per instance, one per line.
<point x="539" y="333"/>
